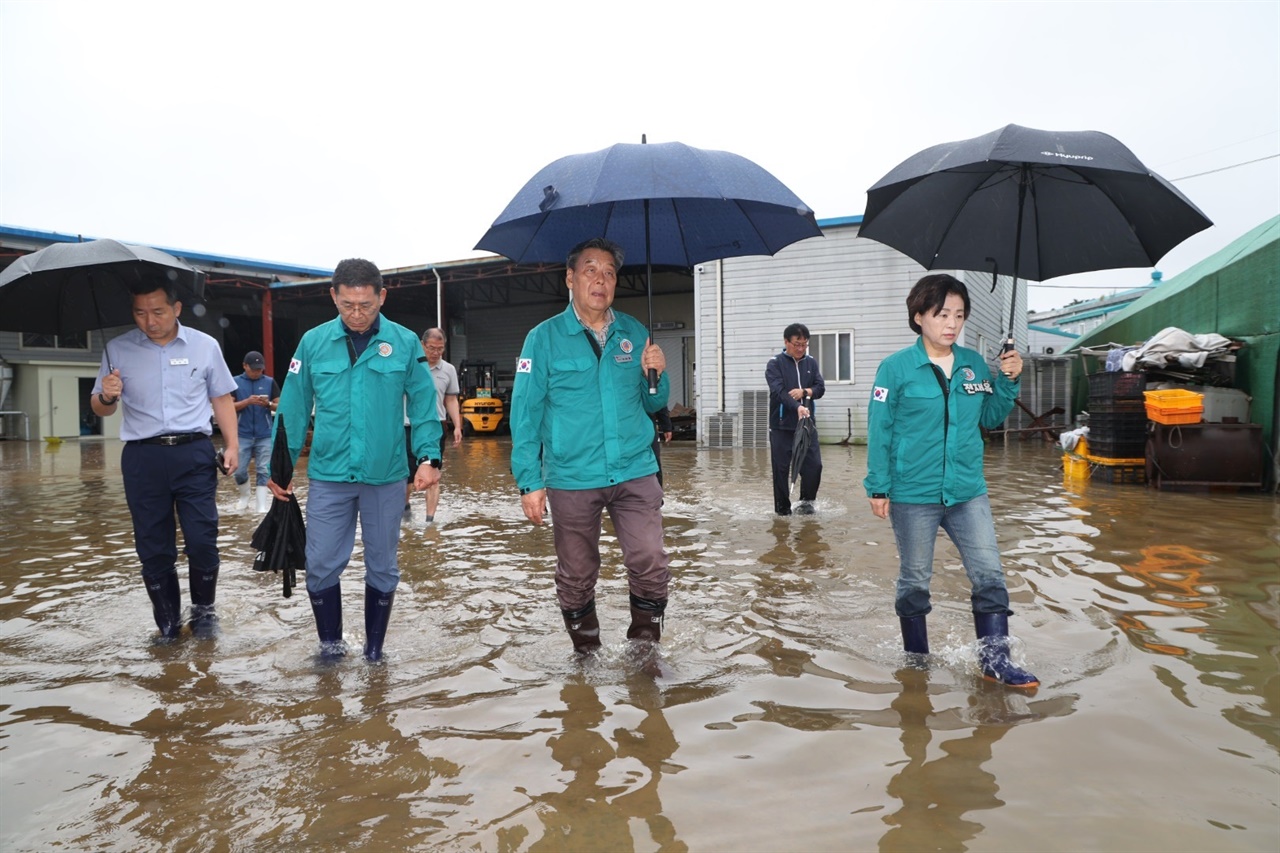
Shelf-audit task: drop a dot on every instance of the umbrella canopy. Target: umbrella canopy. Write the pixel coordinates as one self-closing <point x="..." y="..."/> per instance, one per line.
<point x="67" y="288"/>
<point x="1036" y="203"/>
<point x="666" y="204"/>
<point x="806" y="435"/>
<point x="281" y="538"/>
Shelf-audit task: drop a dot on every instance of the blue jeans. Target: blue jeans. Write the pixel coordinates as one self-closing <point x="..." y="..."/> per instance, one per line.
<point x="260" y="450"/>
<point x="332" y="509"/>
<point x="971" y="528"/>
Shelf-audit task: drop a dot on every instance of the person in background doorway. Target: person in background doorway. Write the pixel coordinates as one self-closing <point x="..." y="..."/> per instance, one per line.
<point x="929" y="405"/>
<point x="355" y="372"/>
<point x="168" y="378"/>
<point x="794" y="382"/>
<point x="447" y="409"/>
<point x="582" y="442"/>
<point x="256" y="396"/>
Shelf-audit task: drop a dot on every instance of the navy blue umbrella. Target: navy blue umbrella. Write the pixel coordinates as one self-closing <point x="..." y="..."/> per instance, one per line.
<point x="668" y="203"/>
<point x="1039" y="203"/>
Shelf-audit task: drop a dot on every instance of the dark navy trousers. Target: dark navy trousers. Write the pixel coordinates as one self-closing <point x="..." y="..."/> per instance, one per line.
<point x="159" y="479"/>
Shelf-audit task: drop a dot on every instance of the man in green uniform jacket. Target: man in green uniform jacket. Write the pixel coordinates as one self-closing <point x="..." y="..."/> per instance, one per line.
<point x="582" y="440"/>
<point x="361" y="373"/>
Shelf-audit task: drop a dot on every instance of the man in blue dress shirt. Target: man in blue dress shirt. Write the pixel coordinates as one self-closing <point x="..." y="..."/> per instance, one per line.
<point x="167" y="377"/>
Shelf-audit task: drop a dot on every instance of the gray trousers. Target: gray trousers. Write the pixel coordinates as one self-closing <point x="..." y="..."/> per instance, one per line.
<point x="635" y="507"/>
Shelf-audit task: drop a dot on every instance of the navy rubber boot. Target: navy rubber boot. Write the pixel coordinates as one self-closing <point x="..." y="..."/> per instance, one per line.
<point x="646" y="618"/>
<point x="377" y="613"/>
<point x="915" y="635"/>
<point x="584" y="628"/>
<point x="327" y="607"/>
<point x="993" y="652"/>
<point x="204" y="589"/>
<point x="166" y="604"/>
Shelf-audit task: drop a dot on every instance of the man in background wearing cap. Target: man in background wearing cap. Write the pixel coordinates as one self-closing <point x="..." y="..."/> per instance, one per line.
<point x="256" y="396"/>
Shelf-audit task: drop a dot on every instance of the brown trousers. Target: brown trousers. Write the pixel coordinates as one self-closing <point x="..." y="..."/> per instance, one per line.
<point x="635" y="507"/>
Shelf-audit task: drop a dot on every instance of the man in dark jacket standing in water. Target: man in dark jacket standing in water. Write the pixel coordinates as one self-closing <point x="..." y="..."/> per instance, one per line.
<point x="794" y="383"/>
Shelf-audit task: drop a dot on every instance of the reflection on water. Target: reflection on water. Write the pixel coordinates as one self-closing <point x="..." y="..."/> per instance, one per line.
<point x="783" y="720"/>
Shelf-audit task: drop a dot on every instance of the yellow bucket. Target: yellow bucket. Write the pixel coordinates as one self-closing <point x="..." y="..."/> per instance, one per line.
<point x="1075" y="467"/>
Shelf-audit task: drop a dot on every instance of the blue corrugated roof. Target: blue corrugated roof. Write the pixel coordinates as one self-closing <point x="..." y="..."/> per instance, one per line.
<point x="837" y="221"/>
<point x="202" y="258"/>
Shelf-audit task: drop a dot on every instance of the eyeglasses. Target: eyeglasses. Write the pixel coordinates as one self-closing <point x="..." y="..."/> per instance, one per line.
<point x="357" y="307"/>
<point x="434" y="348"/>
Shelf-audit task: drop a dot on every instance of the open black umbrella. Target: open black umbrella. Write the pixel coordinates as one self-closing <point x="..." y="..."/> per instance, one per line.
<point x="1038" y="203"/>
<point x="668" y="203"/>
<point x="67" y="288"/>
<point x="281" y="538"/>
<point x="806" y="436"/>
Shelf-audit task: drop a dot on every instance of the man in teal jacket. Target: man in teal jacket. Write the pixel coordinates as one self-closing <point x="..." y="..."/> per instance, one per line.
<point x="924" y="466"/>
<point x="361" y="373"/>
<point x="582" y="440"/>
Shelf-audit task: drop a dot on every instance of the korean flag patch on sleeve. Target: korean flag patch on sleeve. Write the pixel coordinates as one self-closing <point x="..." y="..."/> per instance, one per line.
<point x="294" y="365"/>
<point x="524" y="365"/>
<point x="880" y="394"/>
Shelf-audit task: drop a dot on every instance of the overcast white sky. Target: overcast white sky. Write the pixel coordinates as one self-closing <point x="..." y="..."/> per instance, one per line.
<point x="308" y="132"/>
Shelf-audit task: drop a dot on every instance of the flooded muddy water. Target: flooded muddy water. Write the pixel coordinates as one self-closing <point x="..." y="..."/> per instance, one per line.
<point x="783" y="721"/>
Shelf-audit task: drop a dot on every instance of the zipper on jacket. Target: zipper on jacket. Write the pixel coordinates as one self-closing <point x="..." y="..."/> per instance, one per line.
<point x="946" y="423"/>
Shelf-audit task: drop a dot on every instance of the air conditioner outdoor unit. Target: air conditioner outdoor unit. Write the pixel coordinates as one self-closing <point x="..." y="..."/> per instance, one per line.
<point x="1048" y="350"/>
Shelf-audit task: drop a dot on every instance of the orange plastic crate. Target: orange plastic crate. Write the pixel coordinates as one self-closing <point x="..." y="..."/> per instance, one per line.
<point x="1174" y="406"/>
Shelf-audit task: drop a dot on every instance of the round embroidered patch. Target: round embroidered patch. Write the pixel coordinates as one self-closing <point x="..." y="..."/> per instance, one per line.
<point x="968" y="374"/>
<point x="625" y="346"/>
<point x="384" y="349"/>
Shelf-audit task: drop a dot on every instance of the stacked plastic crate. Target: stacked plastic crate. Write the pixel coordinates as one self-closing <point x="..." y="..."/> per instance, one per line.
<point x="1118" y="426"/>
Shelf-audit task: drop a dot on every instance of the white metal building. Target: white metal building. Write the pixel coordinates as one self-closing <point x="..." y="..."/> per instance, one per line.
<point x="851" y="293"/>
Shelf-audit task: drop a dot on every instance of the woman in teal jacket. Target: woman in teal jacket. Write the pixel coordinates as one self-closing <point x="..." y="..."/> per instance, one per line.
<point x="924" y="467"/>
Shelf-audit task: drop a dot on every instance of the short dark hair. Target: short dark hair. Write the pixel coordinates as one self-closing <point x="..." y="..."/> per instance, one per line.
<point x="595" y="243"/>
<point x="357" y="272"/>
<point x="142" y="288"/>
<point x="795" y="330"/>
<point x="929" y="295"/>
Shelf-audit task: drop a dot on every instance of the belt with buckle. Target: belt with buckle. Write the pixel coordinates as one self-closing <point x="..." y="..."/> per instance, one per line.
<point x="173" y="438"/>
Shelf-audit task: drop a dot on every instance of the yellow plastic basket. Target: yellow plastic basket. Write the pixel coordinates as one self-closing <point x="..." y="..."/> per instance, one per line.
<point x="1174" y="406"/>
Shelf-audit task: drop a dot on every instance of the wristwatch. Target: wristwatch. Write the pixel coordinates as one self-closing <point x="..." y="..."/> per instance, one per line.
<point x="878" y="495"/>
<point x="102" y="398"/>
<point x="435" y="463"/>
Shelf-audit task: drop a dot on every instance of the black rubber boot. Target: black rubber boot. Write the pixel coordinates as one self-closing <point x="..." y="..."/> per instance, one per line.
<point x="377" y="613"/>
<point x="646" y="618"/>
<point x="327" y="607"/>
<point x="204" y="589"/>
<point x="584" y="628"/>
<point x="166" y="604"/>
<point x="915" y="635"/>
<point x="993" y="652"/>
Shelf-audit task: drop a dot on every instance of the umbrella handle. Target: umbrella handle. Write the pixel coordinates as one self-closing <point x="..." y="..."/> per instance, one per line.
<point x="1009" y="345"/>
<point x="653" y="381"/>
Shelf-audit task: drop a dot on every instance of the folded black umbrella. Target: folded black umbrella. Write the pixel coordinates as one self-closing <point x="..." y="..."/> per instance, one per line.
<point x="281" y="538"/>
<point x="806" y="435"/>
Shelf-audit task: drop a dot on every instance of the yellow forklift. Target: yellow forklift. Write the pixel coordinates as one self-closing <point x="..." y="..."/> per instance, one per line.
<point x="483" y="405"/>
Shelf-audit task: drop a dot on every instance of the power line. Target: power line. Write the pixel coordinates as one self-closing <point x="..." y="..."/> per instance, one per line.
<point x="1225" y="168"/>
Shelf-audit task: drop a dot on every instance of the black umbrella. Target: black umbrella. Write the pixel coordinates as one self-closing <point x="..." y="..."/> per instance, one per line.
<point x="1040" y="203"/>
<point x="281" y="538"/>
<point x="67" y="288"/>
<point x="806" y="435"/>
<point x="668" y="203"/>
